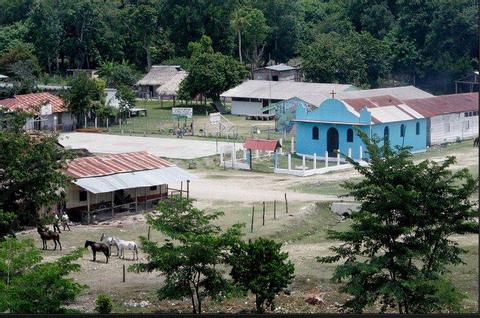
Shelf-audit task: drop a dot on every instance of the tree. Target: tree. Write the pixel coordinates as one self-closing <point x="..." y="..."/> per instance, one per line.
<point x="28" y="286"/>
<point x="103" y="304"/>
<point x="30" y="173"/>
<point x="83" y="95"/>
<point x="354" y="58"/>
<point x="117" y="74"/>
<point x="46" y="31"/>
<point x="191" y="265"/>
<point x="126" y="99"/>
<point x="210" y="74"/>
<point x="397" y="250"/>
<point x="261" y="268"/>
<point x="17" y="53"/>
<point x="23" y="77"/>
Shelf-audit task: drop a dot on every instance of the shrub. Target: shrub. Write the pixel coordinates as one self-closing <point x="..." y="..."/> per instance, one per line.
<point x="103" y="304"/>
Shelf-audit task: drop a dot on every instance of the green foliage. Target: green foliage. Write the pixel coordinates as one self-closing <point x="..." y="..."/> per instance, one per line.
<point x="7" y="223"/>
<point x="117" y="74"/>
<point x="261" y="268"/>
<point x="30" y="173"/>
<point x="12" y="35"/>
<point x="191" y="262"/>
<point x="30" y="287"/>
<point x="126" y="98"/>
<point x="354" y="58"/>
<point x="19" y="52"/>
<point x="210" y="74"/>
<point x="83" y="93"/>
<point x="398" y="249"/>
<point x="103" y="304"/>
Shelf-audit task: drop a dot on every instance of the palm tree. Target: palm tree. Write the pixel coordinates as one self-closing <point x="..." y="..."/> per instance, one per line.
<point x="238" y="21"/>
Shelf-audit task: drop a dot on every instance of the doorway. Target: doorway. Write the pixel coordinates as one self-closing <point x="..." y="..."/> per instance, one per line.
<point x="332" y="141"/>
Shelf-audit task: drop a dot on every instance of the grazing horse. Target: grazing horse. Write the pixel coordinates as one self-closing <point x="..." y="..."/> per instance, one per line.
<point x="129" y="245"/>
<point x="98" y="247"/>
<point x="109" y="240"/>
<point x="47" y="235"/>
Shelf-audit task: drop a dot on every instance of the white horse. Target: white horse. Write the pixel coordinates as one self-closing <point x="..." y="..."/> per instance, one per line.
<point x="129" y="245"/>
<point x="109" y="240"/>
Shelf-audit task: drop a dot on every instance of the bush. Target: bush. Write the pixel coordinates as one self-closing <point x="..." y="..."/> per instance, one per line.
<point x="103" y="304"/>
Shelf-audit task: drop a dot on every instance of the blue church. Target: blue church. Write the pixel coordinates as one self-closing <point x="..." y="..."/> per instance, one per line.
<point x="329" y="127"/>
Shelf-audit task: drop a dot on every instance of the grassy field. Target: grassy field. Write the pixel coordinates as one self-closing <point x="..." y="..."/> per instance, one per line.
<point x="159" y="121"/>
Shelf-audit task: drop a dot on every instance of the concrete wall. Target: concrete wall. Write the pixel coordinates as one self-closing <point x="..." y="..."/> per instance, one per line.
<point x="59" y="121"/>
<point x="450" y="127"/>
<point x="332" y="113"/>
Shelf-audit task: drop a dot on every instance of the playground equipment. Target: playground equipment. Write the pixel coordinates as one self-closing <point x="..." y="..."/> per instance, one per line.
<point x="219" y="126"/>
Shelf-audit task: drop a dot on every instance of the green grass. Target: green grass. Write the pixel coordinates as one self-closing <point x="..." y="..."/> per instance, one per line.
<point x="159" y="121"/>
<point x="325" y="187"/>
<point x="445" y="150"/>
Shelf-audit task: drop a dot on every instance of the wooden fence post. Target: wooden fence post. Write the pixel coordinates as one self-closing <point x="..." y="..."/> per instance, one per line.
<point x="326" y="159"/>
<point x="286" y="204"/>
<point x="253" y="214"/>
<point x="148" y="235"/>
<point x="124" y="273"/>
<point x="314" y="161"/>
<point x="263" y="216"/>
<point x="274" y="209"/>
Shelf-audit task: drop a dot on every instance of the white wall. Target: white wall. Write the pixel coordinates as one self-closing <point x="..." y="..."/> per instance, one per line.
<point x="450" y="127"/>
<point x="111" y="98"/>
<point x="246" y="108"/>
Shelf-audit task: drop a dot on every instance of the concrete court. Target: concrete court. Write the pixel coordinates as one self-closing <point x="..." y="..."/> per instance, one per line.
<point x="164" y="147"/>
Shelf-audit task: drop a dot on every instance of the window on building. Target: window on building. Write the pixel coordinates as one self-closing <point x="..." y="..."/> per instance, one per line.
<point x="153" y="188"/>
<point x="447" y="128"/>
<point x="82" y="196"/>
<point x="417" y="128"/>
<point x="466" y="114"/>
<point x="386" y="133"/>
<point x="402" y="130"/>
<point x="475" y="113"/>
<point x="350" y="135"/>
<point x="470" y="114"/>
<point x="315" y="133"/>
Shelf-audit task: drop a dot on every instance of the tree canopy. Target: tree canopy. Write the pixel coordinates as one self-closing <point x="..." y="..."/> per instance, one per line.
<point x="429" y="43"/>
<point x="399" y="247"/>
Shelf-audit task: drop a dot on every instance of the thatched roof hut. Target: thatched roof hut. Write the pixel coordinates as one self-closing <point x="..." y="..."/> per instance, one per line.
<point x="162" y="80"/>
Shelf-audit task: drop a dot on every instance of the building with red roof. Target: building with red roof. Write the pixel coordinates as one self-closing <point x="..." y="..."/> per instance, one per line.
<point x="103" y="186"/>
<point x="49" y="111"/>
<point x="450" y="117"/>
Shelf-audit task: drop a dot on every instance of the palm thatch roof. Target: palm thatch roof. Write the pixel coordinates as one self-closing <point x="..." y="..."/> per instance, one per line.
<point x="159" y="75"/>
<point x="171" y="87"/>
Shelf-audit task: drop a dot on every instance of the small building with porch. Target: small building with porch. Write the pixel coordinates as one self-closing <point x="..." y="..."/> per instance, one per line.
<point x="49" y="111"/>
<point x="161" y="81"/>
<point x="279" y="72"/>
<point x="108" y="185"/>
<point x="328" y="128"/>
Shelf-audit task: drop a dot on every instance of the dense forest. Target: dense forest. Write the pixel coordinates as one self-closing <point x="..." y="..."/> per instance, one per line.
<point x="369" y="43"/>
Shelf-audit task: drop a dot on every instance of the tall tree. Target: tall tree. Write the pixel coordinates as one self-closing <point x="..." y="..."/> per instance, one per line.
<point x="46" y="31"/>
<point x="30" y="173"/>
<point x="191" y="259"/>
<point x="399" y="248"/>
<point x="210" y="74"/>
<point x="84" y="94"/>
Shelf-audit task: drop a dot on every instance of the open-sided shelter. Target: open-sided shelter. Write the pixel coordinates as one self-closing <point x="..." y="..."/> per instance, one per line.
<point x="103" y="186"/>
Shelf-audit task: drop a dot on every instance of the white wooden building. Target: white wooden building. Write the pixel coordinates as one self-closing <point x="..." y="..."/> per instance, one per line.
<point x="450" y="117"/>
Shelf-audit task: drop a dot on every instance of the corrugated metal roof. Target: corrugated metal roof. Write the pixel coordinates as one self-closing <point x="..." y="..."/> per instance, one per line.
<point x="401" y="93"/>
<point x="280" y="67"/>
<point x="261" y="144"/>
<point x="130" y="180"/>
<point x="32" y="102"/>
<point x="389" y="114"/>
<point x="114" y="163"/>
<point x="444" y="104"/>
<point x="281" y="90"/>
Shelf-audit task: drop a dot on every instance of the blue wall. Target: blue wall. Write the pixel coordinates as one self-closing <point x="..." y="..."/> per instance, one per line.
<point x="333" y="113"/>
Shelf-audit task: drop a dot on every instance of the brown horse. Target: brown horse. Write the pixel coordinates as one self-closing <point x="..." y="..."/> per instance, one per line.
<point x="47" y="235"/>
<point x="98" y="247"/>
